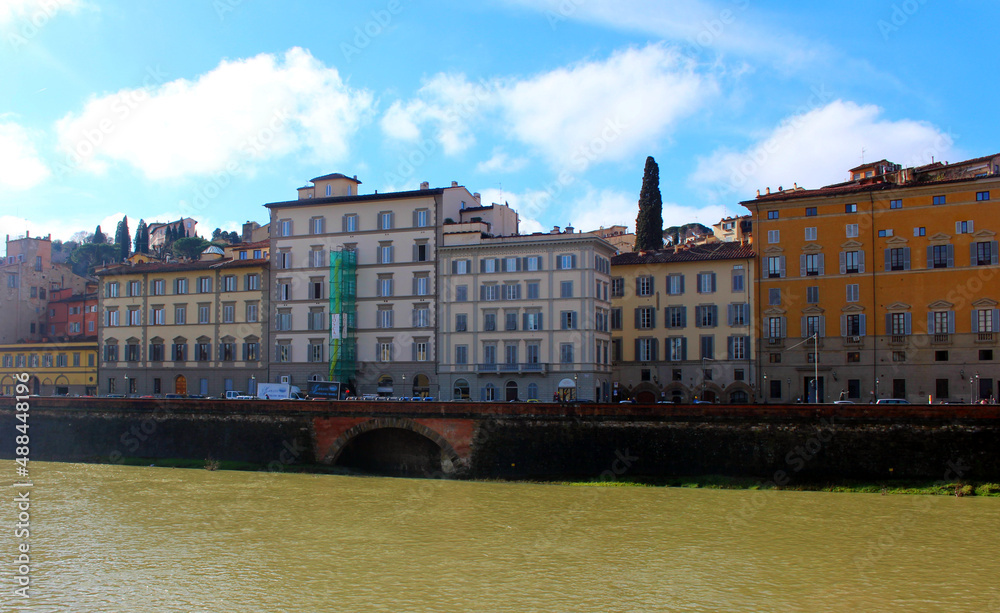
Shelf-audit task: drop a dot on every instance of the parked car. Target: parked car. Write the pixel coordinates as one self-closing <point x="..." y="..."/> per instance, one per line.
<point x="843" y="402"/>
<point x="892" y="401"/>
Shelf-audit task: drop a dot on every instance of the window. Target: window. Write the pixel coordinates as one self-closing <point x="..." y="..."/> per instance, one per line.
<point x="461" y="354"/>
<point x="315" y="352"/>
<point x="316" y="319"/>
<point x="676" y="317"/>
<point x="774" y="236"/>
<point x="617" y="287"/>
<point x="939" y="200"/>
<point x="738" y="278"/>
<point x="461" y="322"/>
<point x="812" y="294"/>
<point x="885" y="233"/>
<point x="737" y="347"/>
<point x="813" y="264"/>
<point x="385" y="253"/>
<point x="898" y="323"/>
<point x="644" y="286"/>
<point x="385" y="318"/>
<point x="811" y="234"/>
<point x="676" y="349"/>
<point x="510" y="321"/>
<point x="180" y="286"/>
<point x="349" y="223"/>
<point x="489" y="265"/>
<point x="566" y="262"/>
<point x="489" y="322"/>
<point x="616" y="318"/>
<point x="774" y="296"/>
<point x="810" y="211"/>
<point x="227" y="352"/>
<point x="157" y="316"/>
<point x="203" y="314"/>
<point x="776" y="327"/>
<point x="739" y="314"/>
<point x="941" y="356"/>
<point x="134" y="317"/>
<point x="283" y="321"/>
<point x="645" y="349"/>
<point x="568" y="320"/>
<point x="645" y="318"/>
<point x="204" y="285"/>
<point x="852" y="230"/>
<point x="707" y="345"/>
<point x="134" y="288"/>
<point x="851" y="262"/>
<point x="385" y="220"/>
<point x="986" y="354"/>
<point x="853" y="292"/>
<point x="421" y="285"/>
<point x="385" y="286"/>
<point x="533" y="321"/>
<point x="775" y="266"/>
<point x="316" y="258"/>
<point x="566" y="353"/>
<point x="251" y="312"/>
<point x="940" y="256"/>
<point x="964" y="227"/>
<point x="898" y="258"/>
<point x="532" y="290"/>
<point x="243" y="255"/>
<point x="202" y="352"/>
<point x="813" y="325"/>
<point x="420" y="351"/>
<point x="984" y="253"/>
<point x="257" y="254"/>
<point x="851" y="208"/>
<point x="461" y="293"/>
<point x="251" y="352"/>
<point x="533" y="262"/>
<point x="180" y="314"/>
<point x="283" y="352"/>
<point x="985" y="320"/>
<point x="895" y="204"/>
<point x="980" y="196"/>
<point x="852" y="325"/>
<point x="675" y="284"/>
<point x="157" y="287"/>
<point x="284" y="227"/>
<point x="110" y="354"/>
<point x="489" y="353"/>
<point x="706" y="316"/>
<point x="566" y="289"/>
<point x="940" y="321"/>
<point x="179" y="352"/>
<point x="317" y="225"/>
<point x="772" y="214"/>
<point x="421" y="317"/>
<point x="920" y="231"/>
<point x="706" y="283"/>
<point x="898" y="356"/>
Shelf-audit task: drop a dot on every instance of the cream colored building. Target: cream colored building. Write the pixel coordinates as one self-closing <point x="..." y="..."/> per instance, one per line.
<point x="370" y="324"/>
<point x="524" y="317"/>
<point x="196" y="328"/>
<point x="682" y="322"/>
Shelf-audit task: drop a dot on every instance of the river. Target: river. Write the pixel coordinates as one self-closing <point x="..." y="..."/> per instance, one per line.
<point x="145" y="539"/>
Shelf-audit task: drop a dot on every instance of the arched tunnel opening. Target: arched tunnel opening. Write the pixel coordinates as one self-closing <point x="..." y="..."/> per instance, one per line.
<point x="394" y="452"/>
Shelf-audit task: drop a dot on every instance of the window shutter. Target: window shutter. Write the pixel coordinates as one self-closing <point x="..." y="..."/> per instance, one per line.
<point x="805" y="327"/>
<point x="888" y="260"/>
<point x="637" y="355"/>
<point x="784" y="327"/>
<point x="781" y="264"/>
<point x="524" y="320"/>
<point x="343" y="223"/>
<point x="864" y="327"/>
<point x="729" y="348"/>
<point x="843" y="262"/>
<point x="861" y="261"/>
<point x="906" y="258"/>
<point x="392" y="220"/>
<point x="951" y="322"/>
<point x="971" y="226"/>
<point x="822" y="264"/>
<point x="652" y="316"/>
<point x="540" y="325"/>
<point x="993" y="252"/>
<point x="637" y="286"/>
<point x="951" y="256"/>
<point x="843" y="323"/>
<point x="822" y="325"/>
<point x="974" y="319"/>
<point x="684" y="317"/>
<point x="652" y="284"/>
<point x="684" y="348"/>
<point x="729" y="314"/>
<point x="930" y="322"/>
<point x="414" y="286"/>
<point x="482" y="292"/>
<point x="972" y="254"/>
<point x="573" y="261"/>
<point x="413" y="352"/>
<point x="930" y="256"/>
<point x="682" y="283"/>
<point x="454" y="267"/>
<point x="958" y="227"/>
<point x="888" y="323"/>
<point x="697" y="316"/>
<point x="906" y="322"/>
<point x="802" y="265"/>
<point x="715" y="313"/>
<point x="713" y="282"/>
<point x="996" y="319"/>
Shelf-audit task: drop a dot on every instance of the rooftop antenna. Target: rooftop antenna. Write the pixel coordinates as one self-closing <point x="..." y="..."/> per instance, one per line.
<point x="862" y="155"/>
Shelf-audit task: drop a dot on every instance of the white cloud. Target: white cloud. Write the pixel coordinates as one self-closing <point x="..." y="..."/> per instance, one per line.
<point x="574" y="116"/>
<point x="35" y="12"/>
<point x="605" y="110"/>
<point x="20" y="166"/>
<point x="241" y="113"/>
<point x="448" y="104"/>
<point x="501" y="162"/>
<point x="817" y="148"/>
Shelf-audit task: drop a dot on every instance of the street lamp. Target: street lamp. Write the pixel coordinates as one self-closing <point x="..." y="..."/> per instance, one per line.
<point x="764" y="390"/>
<point x="253" y="386"/>
<point x="402" y="387"/>
<point x="126" y="387"/>
<point x="704" y="379"/>
<point x="975" y="388"/>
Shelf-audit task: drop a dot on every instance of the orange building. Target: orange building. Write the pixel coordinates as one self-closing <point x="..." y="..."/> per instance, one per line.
<point x="888" y="280"/>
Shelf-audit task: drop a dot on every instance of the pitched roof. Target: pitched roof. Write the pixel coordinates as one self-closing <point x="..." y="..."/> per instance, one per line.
<point x="336" y="175"/>
<point x="693" y="253"/>
<point x="416" y="193"/>
<point x="150" y="267"/>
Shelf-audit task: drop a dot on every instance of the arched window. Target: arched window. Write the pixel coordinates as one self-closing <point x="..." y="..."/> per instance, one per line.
<point x="739" y="397"/>
<point x="532" y="391"/>
<point x="461" y="391"/>
<point x="384" y="385"/>
<point x="510" y="390"/>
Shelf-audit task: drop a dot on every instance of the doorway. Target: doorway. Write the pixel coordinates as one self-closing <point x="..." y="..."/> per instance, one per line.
<point x="814" y="394"/>
<point x="985" y="389"/>
<point x="180" y="384"/>
<point x="510" y="391"/>
<point x="899" y="388"/>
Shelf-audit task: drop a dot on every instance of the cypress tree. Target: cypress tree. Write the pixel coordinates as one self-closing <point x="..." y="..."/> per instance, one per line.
<point x="99" y="237"/>
<point x="649" y="222"/>
<point x="141" y="238"/>
<point x="124" y="239"/>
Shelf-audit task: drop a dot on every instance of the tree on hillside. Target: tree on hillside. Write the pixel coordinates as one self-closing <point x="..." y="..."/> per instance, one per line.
<point x="234" y="238"/>
<point x="217" y="235"/>
<point x="649" y="223"/>
<point x="142" y="237"/>
<point x="189" y="247"/>
<point x="88" y="256"/>
<point x="123" y="239"/>
<point x="99" y="237"/>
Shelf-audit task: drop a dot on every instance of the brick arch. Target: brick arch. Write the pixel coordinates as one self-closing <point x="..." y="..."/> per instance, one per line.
<point x="401" y="423"/>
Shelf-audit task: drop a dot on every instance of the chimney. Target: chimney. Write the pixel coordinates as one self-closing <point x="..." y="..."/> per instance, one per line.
<point x="768" y="191"/>
<point x="478" y="197"/>
<point x="425" y="185"/>
<point x="555" y="230"/>
<point x="569" y="229"/>
<point x="454" y="183"/>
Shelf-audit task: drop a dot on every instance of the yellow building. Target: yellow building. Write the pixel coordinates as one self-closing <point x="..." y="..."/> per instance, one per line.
<point x="56" y="369"/>
<point x="195" y="328"/>
<point x="893" y="273"/>
<point x="681" y="323"/>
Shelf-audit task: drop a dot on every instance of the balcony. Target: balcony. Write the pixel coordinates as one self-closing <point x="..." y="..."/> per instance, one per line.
<point x="897" y="339"/>
<point x="514" y="367"/>
<point x="775" y="341"/>
<point x="940" y="339"/>
<point x="985" y="338"/>
<point x="852" y="340"/>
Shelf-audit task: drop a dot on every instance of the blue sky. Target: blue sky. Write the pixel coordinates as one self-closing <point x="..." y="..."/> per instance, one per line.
<point x="211" y="108"/>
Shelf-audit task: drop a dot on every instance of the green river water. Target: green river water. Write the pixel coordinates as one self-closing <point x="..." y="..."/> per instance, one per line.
<point x="142" y="539"/>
